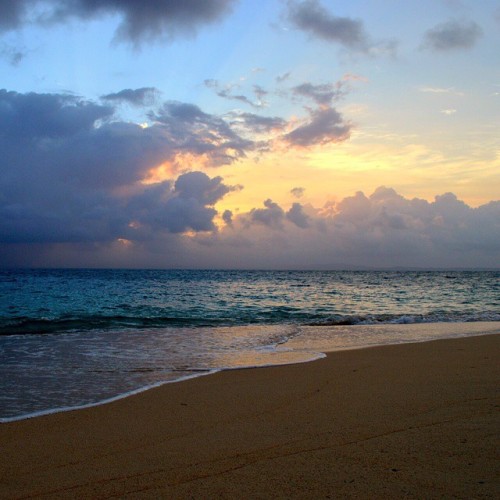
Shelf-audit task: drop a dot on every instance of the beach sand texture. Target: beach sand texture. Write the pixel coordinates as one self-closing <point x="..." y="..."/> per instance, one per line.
<point x="413" y="421"/>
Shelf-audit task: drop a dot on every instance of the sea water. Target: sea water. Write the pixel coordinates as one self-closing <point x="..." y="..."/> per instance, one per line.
<point x="73" y="338"/>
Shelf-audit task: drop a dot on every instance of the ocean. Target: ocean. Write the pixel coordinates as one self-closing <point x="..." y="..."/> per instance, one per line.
<point x="79" y="337"/>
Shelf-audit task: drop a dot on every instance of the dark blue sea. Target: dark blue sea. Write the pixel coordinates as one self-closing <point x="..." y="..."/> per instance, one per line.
<point x="73" y="338"/>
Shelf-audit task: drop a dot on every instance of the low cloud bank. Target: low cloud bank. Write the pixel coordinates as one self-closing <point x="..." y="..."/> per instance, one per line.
<point x="76" y="189"/>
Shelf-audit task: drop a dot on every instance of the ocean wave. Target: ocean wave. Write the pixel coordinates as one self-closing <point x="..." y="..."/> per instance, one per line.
<point x="37" y="326"/>
<point x="435" y="317"/>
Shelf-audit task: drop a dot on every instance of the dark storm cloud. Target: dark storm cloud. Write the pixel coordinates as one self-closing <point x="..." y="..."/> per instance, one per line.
<point x="325" y="125"/>
<point x="144" y="96"/>
<point x="452" y="35"/>
<point x="322" y="93"/>
<point x="140" y="20"/>
<point x="71" y="174"/>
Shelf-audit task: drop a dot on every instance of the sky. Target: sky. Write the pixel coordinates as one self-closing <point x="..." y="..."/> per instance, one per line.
<point x="277" y="134"/>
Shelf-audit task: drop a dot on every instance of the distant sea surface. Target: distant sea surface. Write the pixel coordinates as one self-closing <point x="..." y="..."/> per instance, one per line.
<point x="73" y="338"/>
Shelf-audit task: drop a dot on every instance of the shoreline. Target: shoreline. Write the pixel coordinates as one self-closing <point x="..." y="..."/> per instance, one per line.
<point x="415" y="420"/>
<point x="315" y="350"/>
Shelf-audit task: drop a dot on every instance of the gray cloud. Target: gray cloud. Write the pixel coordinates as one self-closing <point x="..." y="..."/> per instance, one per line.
<point x="190" y="129"/>
<point x="322" y="93"/>
<point x="325" y="125"/>
<point x="188" y="206"/>
<point x="72" y="174"/>
<point x="227" y="217"/>
<point x="12" y="13"/>
<point x="226" y="92"/>
<point x="297" y="215"/>
<point x="12" y="54"/>
<point x="283" y="77"/>
<point x="452" y="35"/>
<point x="384" y="229"/>
<point x="257" y="123"/>
<point x="145" y="96"/>
<point x="298" y="192"/>
<point x="311" y="17"/>
<point x="140" y="21"/>
<point x="271" y="216"/>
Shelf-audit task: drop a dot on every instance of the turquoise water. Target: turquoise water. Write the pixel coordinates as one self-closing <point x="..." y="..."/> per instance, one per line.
<point x="76" y="337"/>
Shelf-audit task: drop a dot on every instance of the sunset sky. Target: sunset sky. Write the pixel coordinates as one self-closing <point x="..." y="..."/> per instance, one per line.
<point x="250" y="134"/>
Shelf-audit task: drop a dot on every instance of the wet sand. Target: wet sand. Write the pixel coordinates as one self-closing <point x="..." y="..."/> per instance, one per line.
<point x="415" y="421"/>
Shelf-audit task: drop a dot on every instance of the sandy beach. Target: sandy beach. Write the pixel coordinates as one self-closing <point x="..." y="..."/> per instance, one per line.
<point x="414" y="421"/>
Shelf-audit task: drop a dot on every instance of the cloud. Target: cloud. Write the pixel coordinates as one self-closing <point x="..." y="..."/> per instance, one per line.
<point x="298" y="192"/>
<point x="189" y="206"/>
<point x="271" y="216"/>
<point x="297" y="215"/>
<point x="73" y="192"/>
<point x="72" y="172"/>
<point x="189" y="129"/>
<point x="257" y="124"/>
<point x="144" y="96"/>
<point x="310" y="16"/>
<point x="322" y="93"/>
<point x="226" y="92"/>
<point x="283" y="77"/>
<point x="452" y="35"/>
<point x="441" y="90"/>
<point x="13" y="55"/>
<point x="227" y="217"/>
<point x="139" y="21"/>
<point x="326" y="125"/>
<point x="12" y="13"/>
<point x="384" y="229"/>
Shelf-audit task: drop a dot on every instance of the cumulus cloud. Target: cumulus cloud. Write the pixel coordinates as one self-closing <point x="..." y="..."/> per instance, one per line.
<point x="144" y="96"/>
<point x="452" y="35"/>
<point x="71" y="171"/>
<point x="72" y="184"/>
<point x="297" y="215"/>
<point x="189" y="206"/>
<point x="139" y="21"/>
<point x="325" y="125"/>
<point x="384" y="229"/>
<point x="310" y="16"/>
<point x="271" y="216"/>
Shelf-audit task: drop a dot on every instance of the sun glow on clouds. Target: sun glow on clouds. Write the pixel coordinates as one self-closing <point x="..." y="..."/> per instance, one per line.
<point x="207" y="158"/>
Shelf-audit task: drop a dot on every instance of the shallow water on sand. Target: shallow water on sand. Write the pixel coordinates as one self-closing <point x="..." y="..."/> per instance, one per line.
<point x="78" y="337"/>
